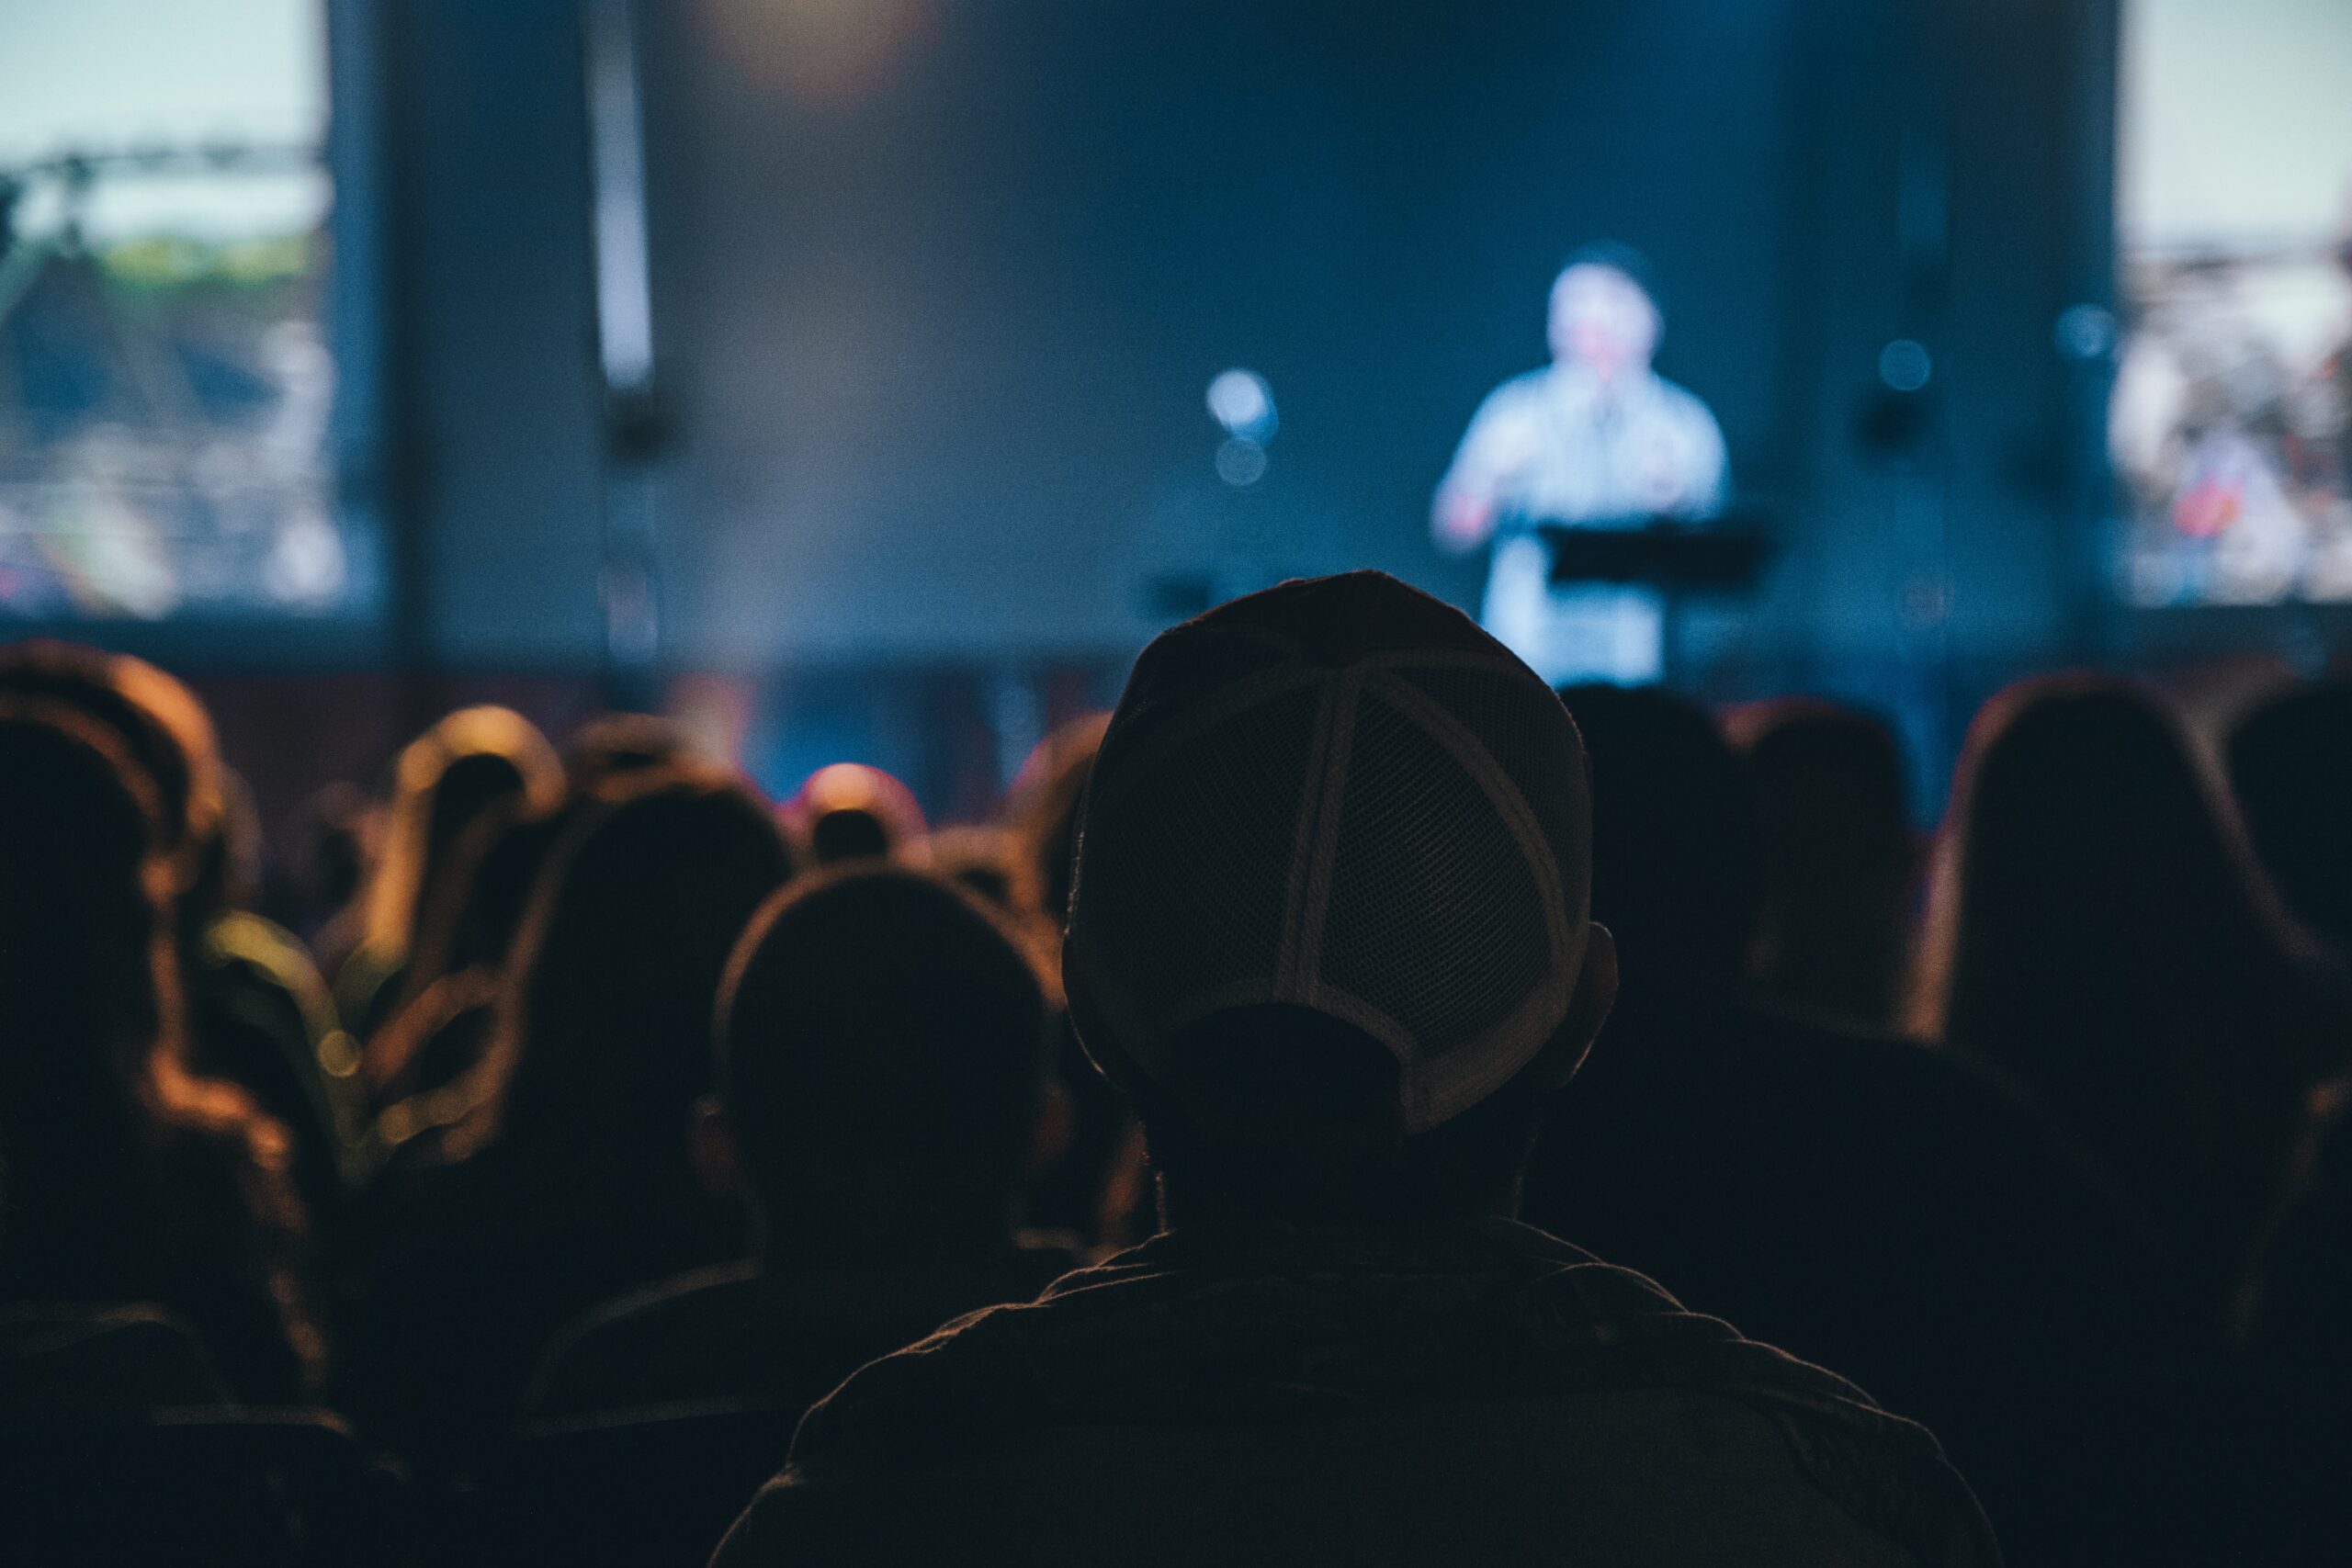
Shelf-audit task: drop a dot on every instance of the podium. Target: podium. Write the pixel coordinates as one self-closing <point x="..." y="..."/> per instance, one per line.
<point x="1723" y="556"/>
<point x="1679" y="560"/>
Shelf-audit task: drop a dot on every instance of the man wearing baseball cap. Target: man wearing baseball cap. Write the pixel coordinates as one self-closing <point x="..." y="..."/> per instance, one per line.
<point x="1330" y="931"/>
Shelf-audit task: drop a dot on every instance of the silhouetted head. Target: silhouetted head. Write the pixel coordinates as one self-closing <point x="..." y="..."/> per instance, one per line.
<point x="2090" y="875"/>
<point x="602" y="1038"/>
<point x="444" y="781"/>
<point x="2291" y="767"/>
<point x="1329" y="921"/>
<point x="2098" y="926"/>
<point x="475" y="906"/>
<point x="84" y="913"/>
<point x="227" y="871"/>
<point x="331" y="844"/>
<point x="1673" y="841"/>
<point x="159" y="726"/>
<point x="1839" y="863"/>
<point x="1042" y="806"/>
<point x="616" y="743"/>
<point x="1093" y="1186"/>
<point x="92" y="1043"/>
<point x="882" y="1046"/>
<point x="851" y="812"/>
<point x="131" y="1177"/>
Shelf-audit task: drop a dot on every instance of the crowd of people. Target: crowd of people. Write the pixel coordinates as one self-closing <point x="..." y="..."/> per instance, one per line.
<point x="1352" y="1103"/>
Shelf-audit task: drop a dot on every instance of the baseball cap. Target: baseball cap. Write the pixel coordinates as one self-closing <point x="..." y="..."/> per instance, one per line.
<point x="1339" y="794"/>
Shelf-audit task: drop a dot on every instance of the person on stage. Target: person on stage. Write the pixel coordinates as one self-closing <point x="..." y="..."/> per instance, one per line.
<point x="1596" y="439"/>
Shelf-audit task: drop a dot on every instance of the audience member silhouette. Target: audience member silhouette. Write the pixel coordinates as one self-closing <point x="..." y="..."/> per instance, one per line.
<point x="415" y="1059"/>
<point x="1329" y="928"/>
<point x="81" y="1363"/>
<point x="2290" y="769"/>
<point x="852" y="812"/>
<point x="131" y="1178"/>
<point x="1089" y="1192"/>
<point x="616" y="743"/>
<point x="156" y="721"/>
<point x="254" y="999"/>
<point x="323" y="863"/>
<point x="569" y="1178"/>
<point x="1042" y="807"/>
<point x="1838" y="864"/>
<point x="261" y="1016"/>
<point x="444" y="781"/>
<point x="77" y="1361"/>
<point x="2098" y="928"/>
<point x="472" y="920"/>
<point x="2299" y="1298"/>
<point x="1905" y="1217"/>
<point x="882" y="1044"/>
<point x="437" y="1032"/>
<point x="1678" y="863"/>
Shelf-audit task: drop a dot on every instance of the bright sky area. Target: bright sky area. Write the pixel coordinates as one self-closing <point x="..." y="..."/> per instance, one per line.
<point x="2237" y="113"/>
<point x="2236" y="122"/>
<point x="100" y="74"/>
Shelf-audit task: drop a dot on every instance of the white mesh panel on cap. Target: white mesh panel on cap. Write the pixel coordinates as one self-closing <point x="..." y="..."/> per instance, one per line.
<point x="1445" y="909"/>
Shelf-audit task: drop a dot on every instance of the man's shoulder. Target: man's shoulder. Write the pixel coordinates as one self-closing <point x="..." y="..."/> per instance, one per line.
<point x="593" y="1361"/>
<point x="1179" y="1360"/>
<point x="1632" y="1461"/>
<point x="70" y="1357"/>
<point x="653" y="1307"/>
<point x="1908" y="1085"/>
<point x="1177" y="1338"/>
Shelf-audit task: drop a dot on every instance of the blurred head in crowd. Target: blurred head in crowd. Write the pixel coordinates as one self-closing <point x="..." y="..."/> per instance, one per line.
<point x="1673" y="842"/>
<point x="475" y="906"/>
<point x="2098" y="926"/>
<point x="1097" y="1187"/>
<point x="1330" y="927"/>
<point x="86" y="890"/>
<point x="331" y="844"/>
<point x="1839" y="864"/>
<point x="227" y="871"/>
<point x="882" y="1041"/>
<point x="602" y="1043"/>
<point x="849" y="812"/>
<point x="1042" y="806"/>
<point x="616" y="743"/>
<point x="158" y="723"/>
<point x="244" y="1020"/>
<point x="2291" y="767"/>
<point x="444" y="781"/>
<point x="131" y="1177"/>
<point x="432" y="1034"/>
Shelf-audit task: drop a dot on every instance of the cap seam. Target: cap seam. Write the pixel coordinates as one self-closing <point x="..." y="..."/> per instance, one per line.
<point x="1141" y="763"/>
<point x="1346" y="699"/>
<point x="1561" y="929"/>
<point x="1299" y="870"/>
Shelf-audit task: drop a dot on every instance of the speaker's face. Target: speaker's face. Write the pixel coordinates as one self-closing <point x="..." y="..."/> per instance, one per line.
<point x="1602" y="318"/>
